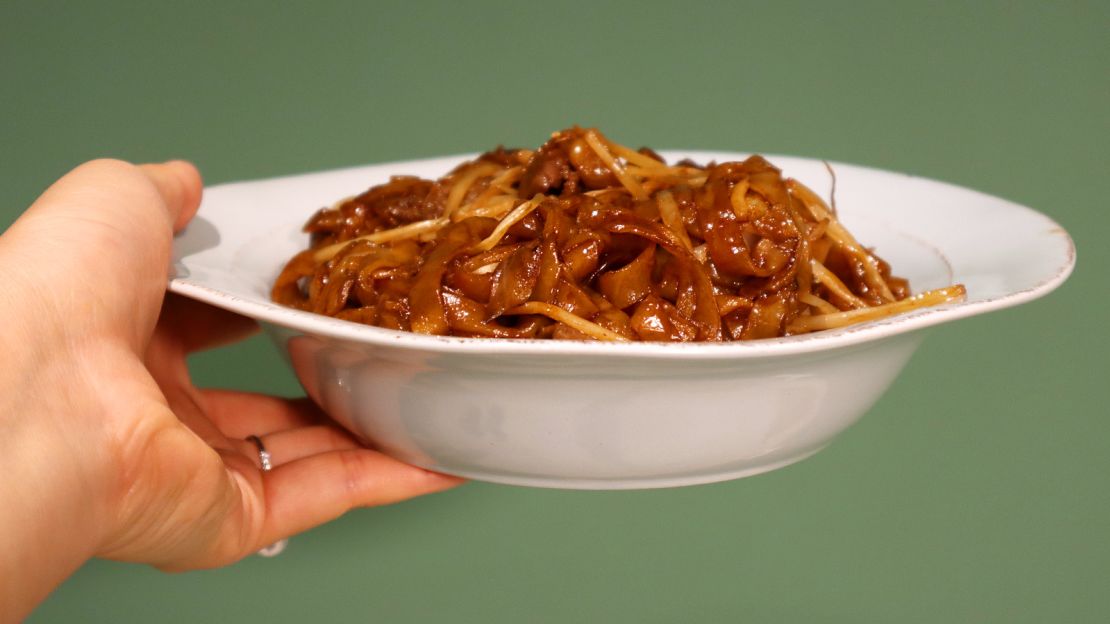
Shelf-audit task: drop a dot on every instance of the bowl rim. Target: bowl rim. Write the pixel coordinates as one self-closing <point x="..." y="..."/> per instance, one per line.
<point x="816" y="342"/>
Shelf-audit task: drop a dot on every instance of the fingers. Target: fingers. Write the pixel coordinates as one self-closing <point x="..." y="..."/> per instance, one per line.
<point x="311" y="491"/>
<point x="191" y="507"/>
<point x="195" y="326"/>
<point x="291" y="445"/>
<point x="319" y="471"/>
<point x="240" y="414"/>
<point x="180" y="185"/>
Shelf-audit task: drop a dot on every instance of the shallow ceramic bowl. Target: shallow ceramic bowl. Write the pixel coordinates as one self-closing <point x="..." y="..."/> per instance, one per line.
<point x="635" y="415"/>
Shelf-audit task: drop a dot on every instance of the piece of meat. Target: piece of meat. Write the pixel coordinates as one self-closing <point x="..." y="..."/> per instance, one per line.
<point x="545" y="173"/>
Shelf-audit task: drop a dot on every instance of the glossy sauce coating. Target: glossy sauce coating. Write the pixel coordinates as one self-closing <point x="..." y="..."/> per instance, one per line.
<point x="585" y="239"/>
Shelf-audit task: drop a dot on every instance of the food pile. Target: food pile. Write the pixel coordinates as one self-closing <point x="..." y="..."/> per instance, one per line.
<point x="586" y="239"/>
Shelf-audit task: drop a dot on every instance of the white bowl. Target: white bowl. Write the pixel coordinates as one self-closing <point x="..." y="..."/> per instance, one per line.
<point x="631" y="415"/>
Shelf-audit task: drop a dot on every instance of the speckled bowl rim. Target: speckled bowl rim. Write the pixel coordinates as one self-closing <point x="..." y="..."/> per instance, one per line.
<point x="322" y="326"/>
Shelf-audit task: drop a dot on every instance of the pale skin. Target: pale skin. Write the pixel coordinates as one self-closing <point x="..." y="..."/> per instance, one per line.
<point x="107" y="449"/>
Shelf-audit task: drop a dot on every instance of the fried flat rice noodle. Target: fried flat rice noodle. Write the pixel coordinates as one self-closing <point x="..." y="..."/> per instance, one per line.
<point x="587" y="239"/>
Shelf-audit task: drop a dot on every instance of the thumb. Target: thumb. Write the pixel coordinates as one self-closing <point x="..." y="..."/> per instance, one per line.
<point x="179" y="184"/>
<point x="95" y="247"/>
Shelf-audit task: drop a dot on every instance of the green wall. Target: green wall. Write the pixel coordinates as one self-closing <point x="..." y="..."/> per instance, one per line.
<point x="977" y="490"/>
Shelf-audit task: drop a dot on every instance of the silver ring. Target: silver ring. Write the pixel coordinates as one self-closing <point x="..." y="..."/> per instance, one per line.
<point x="263" y="454"/>
<point x="266" y="461"/>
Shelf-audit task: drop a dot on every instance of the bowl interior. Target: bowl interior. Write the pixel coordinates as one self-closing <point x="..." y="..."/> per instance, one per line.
<point x="930" y="232"/>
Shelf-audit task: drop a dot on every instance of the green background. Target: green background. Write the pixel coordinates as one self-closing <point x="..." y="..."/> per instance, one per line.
<point x="977" y="490"/>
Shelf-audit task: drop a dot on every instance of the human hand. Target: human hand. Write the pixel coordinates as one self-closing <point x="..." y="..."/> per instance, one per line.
<point x="108" y="449"/>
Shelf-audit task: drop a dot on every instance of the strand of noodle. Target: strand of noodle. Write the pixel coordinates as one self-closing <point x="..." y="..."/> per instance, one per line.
<point x="652" y="183"/>
<point x="739" y="201"/>
<point x="816" y="207"/>
<point x="665" y="171"/>
<point x="636" y="158"/>
<point x="468" y="178"/>
<point x="832" y="189"/>
<point x="843" y="237"/>
<point x="817" y="230"/>
<point x="727" y="304"/>
<point x="628" y="181"/>
<point x="803" y="253"/>
<point x="668" y="210"/>
<point x="813" y="300"/>
<point x="498" y="233"/>
<point x="495" y="207"/>
<point x="804" y="276"/>
<point x="875" y="279"/>
<point x="500" y="184"/>
<point x="824" y="276"/>
<point x="574" y="322"/>
<point x="409" y="230"/>
<point x="505" y="180"/>
<point x="646" y="166"/>
<point x="815" y="322"/>
<point x="493" y="256"/>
